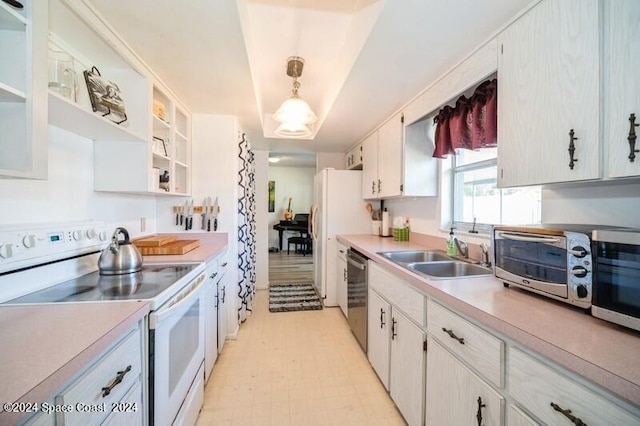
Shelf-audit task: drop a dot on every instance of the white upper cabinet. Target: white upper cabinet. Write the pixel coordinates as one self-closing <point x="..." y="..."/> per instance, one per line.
<point x="621" y="86"/>
<point x="390" y="139"/>
<point x="370" y="186"/>
<point x="134" y="143"/>
<point x="548" y="90"/>
<point x="397" y="161"/>
<point x="23" y="93"/>
<point x="353" y="158"/>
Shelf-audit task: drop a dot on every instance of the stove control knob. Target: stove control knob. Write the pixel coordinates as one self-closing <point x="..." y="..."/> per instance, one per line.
<point x="579" y="271"/>
<point x="102" y="235"/>
<point x="582" y="291"/>
<point x="6" y="251"/>
<point x="77" y="235"/>
<point x="578" y="251"/>
<point x="91" y="234"/>
<point x="29" y="241"/>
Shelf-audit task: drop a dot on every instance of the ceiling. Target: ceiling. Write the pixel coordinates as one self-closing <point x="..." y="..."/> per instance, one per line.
<point x="364" y="59"/>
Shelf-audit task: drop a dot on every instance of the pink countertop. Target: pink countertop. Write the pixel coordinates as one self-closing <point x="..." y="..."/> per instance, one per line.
<point x="604" y="353"/>
<point x="43" y="346"/>
<point x="211" y="245"/>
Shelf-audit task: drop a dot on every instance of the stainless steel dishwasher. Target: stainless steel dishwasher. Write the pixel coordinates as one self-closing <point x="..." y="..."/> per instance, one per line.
<point x="357" y="295"/>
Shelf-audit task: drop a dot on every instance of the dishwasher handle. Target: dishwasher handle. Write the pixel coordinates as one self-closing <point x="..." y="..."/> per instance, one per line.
<point x="358" y="265"/>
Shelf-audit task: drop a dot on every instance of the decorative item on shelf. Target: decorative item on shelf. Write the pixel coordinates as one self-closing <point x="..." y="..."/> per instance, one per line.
<point x="164" y="180"/>
<point x="160" y="146"/>
<point x="294" y="115"/>
<point x="105" y="96"/>
<point x="159" y="110"/>
<point x="288" y="213"/>
<point x="62" y="74"/>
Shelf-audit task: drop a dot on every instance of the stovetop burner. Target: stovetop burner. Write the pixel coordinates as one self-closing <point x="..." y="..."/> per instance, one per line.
<point x="147" y="284"/>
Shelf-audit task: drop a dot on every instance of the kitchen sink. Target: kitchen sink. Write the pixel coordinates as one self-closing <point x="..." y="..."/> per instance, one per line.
<point x="448" y="269"/>
<point x="411" y="256"/>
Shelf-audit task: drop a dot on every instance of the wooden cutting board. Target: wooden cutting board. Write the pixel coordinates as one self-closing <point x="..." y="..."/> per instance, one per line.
<point x="174" y="247"/>
<point x="154" y="241"/>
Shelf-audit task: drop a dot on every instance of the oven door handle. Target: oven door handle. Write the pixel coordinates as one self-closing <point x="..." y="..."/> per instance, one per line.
<point x="527" y="238"/>
<point x="155" y="318"/>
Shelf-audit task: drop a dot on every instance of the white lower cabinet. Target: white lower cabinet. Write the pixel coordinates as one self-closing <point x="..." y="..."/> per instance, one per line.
<point x="210" y="318"/>
<point x="395" y="349"/>
<point x="517" y="418"/>
<point x="556" y="399"/>
<point x="455" y="395"/>
<point x="108" y="391"/>
<point x="223" y="295"/>
<point x="407" y="367"/>
<point x="341" y="278"/>
<point x="378" y="348"/>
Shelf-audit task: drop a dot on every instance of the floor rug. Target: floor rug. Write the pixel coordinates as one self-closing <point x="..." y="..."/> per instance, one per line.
<point x="293" y="297"/>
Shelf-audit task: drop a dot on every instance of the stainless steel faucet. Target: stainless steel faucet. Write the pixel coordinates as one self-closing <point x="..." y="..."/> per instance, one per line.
<point x="484" y="259"/>
<point x="463" y="248"/>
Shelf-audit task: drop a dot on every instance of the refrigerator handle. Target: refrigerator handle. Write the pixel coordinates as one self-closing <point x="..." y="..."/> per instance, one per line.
<point x="312" y="222"/>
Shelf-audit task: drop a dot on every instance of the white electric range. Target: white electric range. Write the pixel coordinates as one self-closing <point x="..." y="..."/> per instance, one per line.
<point x="46" y="264"/>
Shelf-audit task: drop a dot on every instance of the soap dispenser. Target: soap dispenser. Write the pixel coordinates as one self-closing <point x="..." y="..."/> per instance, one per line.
<point x="452" y="250"/>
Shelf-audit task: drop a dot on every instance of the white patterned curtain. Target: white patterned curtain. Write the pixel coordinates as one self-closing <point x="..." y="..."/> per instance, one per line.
<point x="246" y="229"/>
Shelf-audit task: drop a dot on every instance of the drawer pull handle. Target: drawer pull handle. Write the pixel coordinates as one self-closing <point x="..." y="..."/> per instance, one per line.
<point x="453" y="336"/>
<point x="107" y="390"/>
<point x="382" y="323"/>
<point x="567" y="413"/>
<point x="224" y="293"/>
<point x="479" y="413"/>
<point x="393" y="328"/>
<point x="224" y="264"/>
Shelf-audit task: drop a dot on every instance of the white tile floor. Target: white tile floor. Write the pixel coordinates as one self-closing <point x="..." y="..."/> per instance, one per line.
<point x="295" y="368"/>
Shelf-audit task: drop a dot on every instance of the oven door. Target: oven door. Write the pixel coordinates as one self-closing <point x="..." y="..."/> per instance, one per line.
<point x="176" y="341"/>
<point x="616" y="292"/>
<point x="532" y="260"/>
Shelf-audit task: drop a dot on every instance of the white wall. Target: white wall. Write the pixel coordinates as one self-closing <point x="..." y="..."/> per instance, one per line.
<point x="67" y="195"/>
<point x="593" y="203"/>
<point x="294" y="182"/>
<point x="326" y="160"/>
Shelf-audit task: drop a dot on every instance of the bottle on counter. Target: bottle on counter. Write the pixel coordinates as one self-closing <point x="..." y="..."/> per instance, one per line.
<point x="452" y="250"/>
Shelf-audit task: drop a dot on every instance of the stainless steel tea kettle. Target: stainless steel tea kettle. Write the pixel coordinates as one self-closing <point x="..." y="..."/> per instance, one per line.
<point x="120" y="257"/>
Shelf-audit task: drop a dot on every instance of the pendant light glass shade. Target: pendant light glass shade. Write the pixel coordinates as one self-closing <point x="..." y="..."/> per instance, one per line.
<point x="294" y="114"/>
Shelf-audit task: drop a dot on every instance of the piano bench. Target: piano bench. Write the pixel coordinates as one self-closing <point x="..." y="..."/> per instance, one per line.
<point x="304" y="242"/>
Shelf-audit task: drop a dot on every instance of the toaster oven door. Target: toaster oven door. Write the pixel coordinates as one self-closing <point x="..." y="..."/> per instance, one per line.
<point x="532" y="260"/>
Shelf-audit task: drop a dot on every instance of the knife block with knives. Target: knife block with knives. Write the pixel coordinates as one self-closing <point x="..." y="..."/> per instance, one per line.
<point x="208" y="212"/>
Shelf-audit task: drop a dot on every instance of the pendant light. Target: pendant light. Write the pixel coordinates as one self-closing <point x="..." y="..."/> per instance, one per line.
<point x="294" y="115"/>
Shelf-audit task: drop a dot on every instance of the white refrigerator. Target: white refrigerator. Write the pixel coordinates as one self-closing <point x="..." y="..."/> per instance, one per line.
<point x="338" y="209"/>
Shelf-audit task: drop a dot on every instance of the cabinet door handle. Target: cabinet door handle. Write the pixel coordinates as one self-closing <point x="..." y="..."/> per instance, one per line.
<point x="453" y="336"/>
<point x="224" y="264"/>
<point x="224" y="293"/>
<point x="379" y="186"/>
<point x="572" y="149"/>
<point x="382" y="323"/>
<point x="394" y="328"/>
<point x="632" y="137"/>
<point x="107" y="390"/>
<point x="567" y="413"/>
<point x="344" y="274"/>
<point x="479" y="413"/>
<point x="373" y="187"/>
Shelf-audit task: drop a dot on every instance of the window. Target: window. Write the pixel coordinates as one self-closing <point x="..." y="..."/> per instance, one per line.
<point x="477" y="198"/>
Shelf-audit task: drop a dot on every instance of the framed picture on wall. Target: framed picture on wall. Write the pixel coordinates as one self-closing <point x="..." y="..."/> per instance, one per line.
<point x="272" y="196"/>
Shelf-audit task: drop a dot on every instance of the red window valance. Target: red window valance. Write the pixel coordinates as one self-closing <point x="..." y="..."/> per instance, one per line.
<point x="471" y="124"/>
